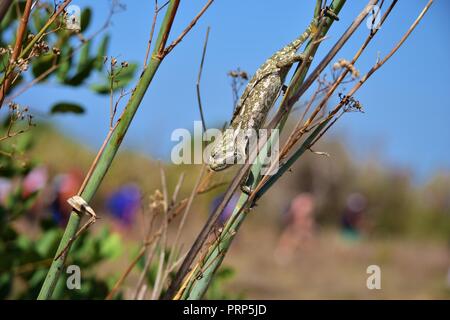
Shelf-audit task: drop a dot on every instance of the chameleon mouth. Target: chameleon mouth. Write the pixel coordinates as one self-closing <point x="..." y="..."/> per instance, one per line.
<point x="218" y="166"/>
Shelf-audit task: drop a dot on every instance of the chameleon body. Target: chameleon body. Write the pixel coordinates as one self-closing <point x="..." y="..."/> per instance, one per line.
<point x="255" y="103"/>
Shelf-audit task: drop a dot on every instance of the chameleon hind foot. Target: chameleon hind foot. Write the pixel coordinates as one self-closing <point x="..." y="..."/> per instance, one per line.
<point x="246" y="189"/>
<point x="289" y="62"/>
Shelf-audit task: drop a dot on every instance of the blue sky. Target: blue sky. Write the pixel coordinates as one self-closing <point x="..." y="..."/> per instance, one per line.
<point x="407" y="103"/>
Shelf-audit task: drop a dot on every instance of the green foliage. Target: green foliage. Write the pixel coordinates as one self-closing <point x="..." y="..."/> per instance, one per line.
<point x="42" y="64"/>
<point x="74" y="62"/>
<point x="25" y="258"/>
<point x="121" y="80"/>
<point x="87" y="254"/>
<point x="102" y="53"/>
<point x="217" y="291"/>
<point x="86" y="16"/>
<point x="67" y="107"/>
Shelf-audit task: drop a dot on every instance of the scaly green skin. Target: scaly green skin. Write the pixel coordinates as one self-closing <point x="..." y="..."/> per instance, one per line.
<point x="254" y="105"/>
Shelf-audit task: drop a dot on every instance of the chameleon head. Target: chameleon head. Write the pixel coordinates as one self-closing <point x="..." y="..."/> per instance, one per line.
<point x="222" y="159"/>
<point x="225" y="153"/>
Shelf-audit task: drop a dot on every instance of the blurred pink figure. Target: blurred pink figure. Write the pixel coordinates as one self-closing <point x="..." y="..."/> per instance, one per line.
<point x="64" y="187"/>
<point x="34" y="181"/>
<point x="299" y="226"/>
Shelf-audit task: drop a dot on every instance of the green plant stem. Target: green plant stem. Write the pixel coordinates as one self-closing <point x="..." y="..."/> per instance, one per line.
<point x="44" y="29"/>
<point x="107" y="155"/>
<point x="199" y="282"/>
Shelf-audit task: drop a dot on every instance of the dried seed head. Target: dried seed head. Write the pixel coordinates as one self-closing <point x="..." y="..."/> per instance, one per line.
<point x="238" y="74"/>
<point x="342" y="63"/>
<point x="113" y="61"/>
<point x="22" y="64"/>
<point x="56" y="51"/>
<point x="157" y="202"/>
<point x="124" y="64"/>
<point x="244" y="75"/>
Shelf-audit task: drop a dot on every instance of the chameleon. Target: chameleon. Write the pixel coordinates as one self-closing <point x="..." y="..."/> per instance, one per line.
<point x="255" y="103"/>
<point x="257" y="99"/>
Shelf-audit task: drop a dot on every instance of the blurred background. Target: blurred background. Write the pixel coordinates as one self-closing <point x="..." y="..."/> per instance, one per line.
<point x="382" y="197"/>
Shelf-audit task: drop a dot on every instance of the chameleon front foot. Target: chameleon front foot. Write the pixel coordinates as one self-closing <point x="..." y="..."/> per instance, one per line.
<point x="246" y="189"/>
<point x="330" y="14"/>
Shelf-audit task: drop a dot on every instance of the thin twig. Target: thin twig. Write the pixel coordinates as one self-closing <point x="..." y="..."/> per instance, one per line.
<point x="188" y="28"/>
<point x="152" y="31"/>
<point x="54" y="67"/>
<point x="163" y="242"/>
<point x="199" y="99"/>
<point x="17" y="50"/>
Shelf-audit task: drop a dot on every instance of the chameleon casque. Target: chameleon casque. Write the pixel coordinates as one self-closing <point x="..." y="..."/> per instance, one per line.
<point x="255" y="103"/>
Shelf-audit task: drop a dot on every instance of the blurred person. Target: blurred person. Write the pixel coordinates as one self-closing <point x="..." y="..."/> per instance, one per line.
<point x="352" y="216"/>
<point x="298" y="229"/>
<point x="64" y="186"/>
<point x="124" y="204"/>
<point x="32" y="183"/>
<point x="35" y="182"/>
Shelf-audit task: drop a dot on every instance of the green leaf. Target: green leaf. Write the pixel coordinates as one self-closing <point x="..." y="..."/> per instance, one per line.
<point x="85" y="19"/>
<point x="225" y="273"/>
<point x="84" y="68"/>
<point x="82" y="75"/>
<point x="48" y="243"/>
<point x="66" y="63"/>
<point x="125" y="75"/>
<point x="111" y="247"/>
<point x="39" y="20"/>
<point x="37" y="278"/>
<point x="12" y="14"/>
<point x="42" y="64"/>
<point x="6" y="282"/>
<point x="101" y="52"/>
<point x="101" y="88"/>
<point x="122" y="79"/>
<point x="67" y="107"/>
<point x="84" y="56"/>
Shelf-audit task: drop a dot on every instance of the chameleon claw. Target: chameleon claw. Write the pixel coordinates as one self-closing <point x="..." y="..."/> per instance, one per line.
<point x="330" y="13"/>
